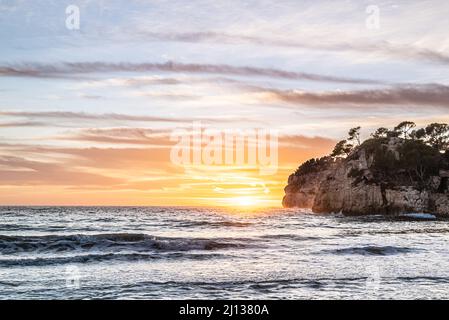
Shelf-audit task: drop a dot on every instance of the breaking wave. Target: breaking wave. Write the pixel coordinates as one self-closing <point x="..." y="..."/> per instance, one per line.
<point x="112" y="243"/>
<point x="94" y="258"/>
<point x="373" y="250"/>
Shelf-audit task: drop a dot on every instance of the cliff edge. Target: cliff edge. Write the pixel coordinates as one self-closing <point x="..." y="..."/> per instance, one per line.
<point x="386" y="174"/>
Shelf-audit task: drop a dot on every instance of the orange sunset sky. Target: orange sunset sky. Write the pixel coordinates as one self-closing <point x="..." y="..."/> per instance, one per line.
<point x="86" y="114"/>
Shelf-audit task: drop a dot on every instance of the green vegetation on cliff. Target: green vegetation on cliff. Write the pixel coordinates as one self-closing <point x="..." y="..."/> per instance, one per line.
<point x="395" y="171"/>
<point x="405" y="155"/>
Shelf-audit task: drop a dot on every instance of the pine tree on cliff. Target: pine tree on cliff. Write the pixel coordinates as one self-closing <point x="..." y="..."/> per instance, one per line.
<point x="438" y="136"/>
<point x="419" y="134"/>
<point x="404" y="128"/>
<point x="380" y="133"/>
<point x="342" y="149"/>
<point x="354" y="136"/>
<point x="345" y="147"/>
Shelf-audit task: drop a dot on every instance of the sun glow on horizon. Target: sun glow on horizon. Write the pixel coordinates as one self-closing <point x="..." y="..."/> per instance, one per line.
<point x="244" y="201"/>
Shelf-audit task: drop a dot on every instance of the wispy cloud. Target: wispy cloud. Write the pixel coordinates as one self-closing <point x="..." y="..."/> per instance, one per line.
<point x="425" y="95"/>
<point x="68" y="115"/>
<point x="117" y="136"/>
<point x="120" y="165"/>
<point x="20" y="171"/>
<point x="385" y="48"/>
<point x="72" y="69"/>
<point x="22" y="124"/>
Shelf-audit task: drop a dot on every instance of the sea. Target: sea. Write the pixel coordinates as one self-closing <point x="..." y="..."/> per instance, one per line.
<point x="219" y="253"/>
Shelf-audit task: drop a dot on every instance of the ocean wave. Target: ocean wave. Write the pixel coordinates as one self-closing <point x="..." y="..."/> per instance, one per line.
<point x="372" y="250"/>
<point x="96" y="258"/>
<point x="254" y="284"/>
<point x="293" y="237"/>
<point x="425" y="279"/>
<point x="9" y="284"/>
<point x="217" y="224"/>
<point x="112" y="242"/>
<point x="410" y="231"/>
<point x="417" y="216"/>
<point x="22" y="227"/>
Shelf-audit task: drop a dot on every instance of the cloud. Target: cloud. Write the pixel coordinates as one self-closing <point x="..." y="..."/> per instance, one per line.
<point x="117" y="171"/>
<point x="157" y="80"/>
<point x="70" y="70"/>
<point x="86" y="116"/>
<point x="22" y="124"/>
<point x="90" y="96"/>
<point x="70" y="115"/>
<point x="133" y="136"/>
<point x="20" y="171"/>
<point x="161" y="138"/>
<point x="423" y="95"/>
<point x="384" y="48"/>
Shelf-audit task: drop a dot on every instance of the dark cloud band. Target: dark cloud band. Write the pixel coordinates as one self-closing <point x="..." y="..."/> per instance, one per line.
<point x="70" y="70"/>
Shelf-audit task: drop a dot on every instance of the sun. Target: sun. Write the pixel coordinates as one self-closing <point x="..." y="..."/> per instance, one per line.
<point x="245" y="201"/>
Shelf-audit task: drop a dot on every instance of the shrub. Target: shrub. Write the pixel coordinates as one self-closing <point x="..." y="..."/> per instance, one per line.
<point x="420" y="160"/>
<point x="313" y="165"/>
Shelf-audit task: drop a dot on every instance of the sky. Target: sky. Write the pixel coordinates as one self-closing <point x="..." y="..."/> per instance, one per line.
<point x="87" y="114"/>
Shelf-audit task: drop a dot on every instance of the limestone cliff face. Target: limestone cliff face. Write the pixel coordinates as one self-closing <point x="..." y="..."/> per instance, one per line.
<point x="301" y="190"/>
<point x="356" y="186"/>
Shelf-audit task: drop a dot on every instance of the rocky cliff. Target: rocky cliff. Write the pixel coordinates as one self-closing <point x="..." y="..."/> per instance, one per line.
<point x="381" y="176"/>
